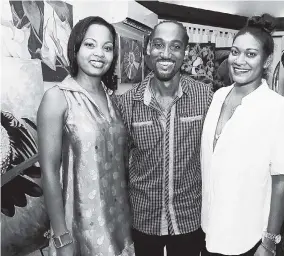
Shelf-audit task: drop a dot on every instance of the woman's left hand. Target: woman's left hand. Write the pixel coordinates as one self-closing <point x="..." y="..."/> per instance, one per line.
<point x="261" y="251"/>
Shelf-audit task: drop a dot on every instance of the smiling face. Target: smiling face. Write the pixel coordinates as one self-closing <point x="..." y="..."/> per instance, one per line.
<point x="96" y="51"/>
<point x="247" y="60"/>
<point x="167" y="50"/>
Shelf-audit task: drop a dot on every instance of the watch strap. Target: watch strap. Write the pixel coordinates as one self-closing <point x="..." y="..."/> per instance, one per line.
<point x="270" y="250"/>
<point x="62" y="240"/>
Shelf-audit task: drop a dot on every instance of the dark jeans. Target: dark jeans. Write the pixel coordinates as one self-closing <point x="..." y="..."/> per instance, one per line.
<point x="249" y="253"/>
<point x="189" y="244"/>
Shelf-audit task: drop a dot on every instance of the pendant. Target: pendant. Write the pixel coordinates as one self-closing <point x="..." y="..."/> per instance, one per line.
<point x="217" y="136"/>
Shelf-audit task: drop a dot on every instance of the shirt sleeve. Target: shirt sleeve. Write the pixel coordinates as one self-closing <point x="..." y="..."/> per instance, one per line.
<point x="277" y="153"/>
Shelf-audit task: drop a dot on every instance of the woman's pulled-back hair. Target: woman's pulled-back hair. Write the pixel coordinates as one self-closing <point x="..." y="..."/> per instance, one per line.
<point x="261" y="28"/>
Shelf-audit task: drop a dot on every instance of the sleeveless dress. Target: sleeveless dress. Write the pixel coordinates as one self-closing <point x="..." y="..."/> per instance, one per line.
<point x="93" y="176"/>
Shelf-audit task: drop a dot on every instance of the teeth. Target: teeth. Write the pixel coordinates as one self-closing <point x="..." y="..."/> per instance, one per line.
<point x="241" y="70"/>
<point x="165" y="62"/>
<point x="97" y="64"/>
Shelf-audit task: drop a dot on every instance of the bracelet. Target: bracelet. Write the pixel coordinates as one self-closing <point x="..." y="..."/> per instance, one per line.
<point x="268" y="249"/>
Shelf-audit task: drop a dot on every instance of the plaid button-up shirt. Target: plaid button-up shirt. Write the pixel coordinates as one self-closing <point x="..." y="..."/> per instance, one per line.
<point x="149" y="143"/>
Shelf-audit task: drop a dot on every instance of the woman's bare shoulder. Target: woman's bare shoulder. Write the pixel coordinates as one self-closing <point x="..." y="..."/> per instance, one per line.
<point x="53" y="101"/>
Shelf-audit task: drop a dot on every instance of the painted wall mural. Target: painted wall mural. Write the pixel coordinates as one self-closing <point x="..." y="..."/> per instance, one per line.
<point x="34" y="50"/>
<point x="39" y="30"/>
<point x="24" y="221"/>
<point x="130" y="60"/>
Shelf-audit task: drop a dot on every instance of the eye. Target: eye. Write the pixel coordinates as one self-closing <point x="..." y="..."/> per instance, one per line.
<point x="109" y="48"/>
<point x="234" y="52"/>
<point x="176" y="47"/>
<point x="89" y="44"/>
<point x="158" y="45"/>
<point x="251" y="54"/>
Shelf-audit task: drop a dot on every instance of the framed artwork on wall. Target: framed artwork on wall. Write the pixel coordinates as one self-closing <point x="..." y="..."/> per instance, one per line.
<point x="199" y="63"/>
<point x="221" y="71"/>
<point x="147" y="66"/>
<point x="130" y="60"/>
<point x="275" y="75"/>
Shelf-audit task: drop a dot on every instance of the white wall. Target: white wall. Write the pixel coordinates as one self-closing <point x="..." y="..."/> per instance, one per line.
<point x="111" y="10"/>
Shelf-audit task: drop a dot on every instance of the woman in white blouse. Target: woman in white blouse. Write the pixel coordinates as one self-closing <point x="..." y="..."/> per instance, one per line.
<point x="242" y="152"/>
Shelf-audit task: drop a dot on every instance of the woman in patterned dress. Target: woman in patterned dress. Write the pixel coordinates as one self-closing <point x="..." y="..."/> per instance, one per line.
<point x="81" y="145"/>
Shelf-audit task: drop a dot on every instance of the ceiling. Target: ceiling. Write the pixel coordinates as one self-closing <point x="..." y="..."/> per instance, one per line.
<point x="242" y="8"/>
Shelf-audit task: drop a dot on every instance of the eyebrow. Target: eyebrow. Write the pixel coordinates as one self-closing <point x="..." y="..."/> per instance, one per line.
<point x="246" y="49"/>
<point x="173" y="41"/>
<point x="95" y="40"/>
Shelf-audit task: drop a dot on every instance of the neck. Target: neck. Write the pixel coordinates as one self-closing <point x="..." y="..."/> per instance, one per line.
<point x="245" y="89"/>
<point x="89" y="83"/>
<point x="166" y="88"/>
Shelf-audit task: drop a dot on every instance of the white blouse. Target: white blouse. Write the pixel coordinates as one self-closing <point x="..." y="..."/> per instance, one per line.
<point x="236" y="175"/>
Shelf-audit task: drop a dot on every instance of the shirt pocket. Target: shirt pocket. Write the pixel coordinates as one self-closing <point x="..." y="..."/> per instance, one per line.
<point x="190" y="132"/>
<point x="145" y="134"/>
<point x="190" y="119"/>
<point x="141" y="124"/>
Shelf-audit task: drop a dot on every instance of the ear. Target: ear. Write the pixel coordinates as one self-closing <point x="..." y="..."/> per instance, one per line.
<point x="268" y="61"/>
<point x="148" y="47"/>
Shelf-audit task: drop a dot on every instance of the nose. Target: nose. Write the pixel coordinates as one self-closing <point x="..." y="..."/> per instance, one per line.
<point x="240" y="59"/>
<point x="98" y="51"/>
<point x="166" y="53"/>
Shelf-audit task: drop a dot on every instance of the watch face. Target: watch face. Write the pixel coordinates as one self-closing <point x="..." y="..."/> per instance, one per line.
<point x="278" y="239"/>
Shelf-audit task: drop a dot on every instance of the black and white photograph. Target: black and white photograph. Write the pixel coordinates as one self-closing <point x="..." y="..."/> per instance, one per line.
<point x="142" y="128"/>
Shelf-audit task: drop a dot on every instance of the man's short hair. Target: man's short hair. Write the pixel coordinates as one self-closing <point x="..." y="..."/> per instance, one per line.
<point x="185" y="36"/>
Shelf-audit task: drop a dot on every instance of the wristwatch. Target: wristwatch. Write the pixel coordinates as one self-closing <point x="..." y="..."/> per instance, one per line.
<point x="276" y="239"/>
<point x="62" y="240"/>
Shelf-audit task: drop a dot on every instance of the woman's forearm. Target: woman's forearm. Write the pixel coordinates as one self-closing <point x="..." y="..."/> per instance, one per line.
<point x="54" y="204"/>
<point x="276" y="215"/>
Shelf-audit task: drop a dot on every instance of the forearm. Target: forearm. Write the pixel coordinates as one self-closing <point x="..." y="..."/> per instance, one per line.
<point x="276" y="215"/>
<point x="54" y="204"/>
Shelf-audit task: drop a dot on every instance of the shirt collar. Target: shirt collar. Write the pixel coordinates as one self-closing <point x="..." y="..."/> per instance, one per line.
<point x="144" y="94"/>
<point x="69" y="83"/>
<point x="257" y="93"/>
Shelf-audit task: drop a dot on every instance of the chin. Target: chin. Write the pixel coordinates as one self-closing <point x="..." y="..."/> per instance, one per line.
<point x="96" y="73"/>
<point x="240" y="80"/>
<point x="164" y="76"/>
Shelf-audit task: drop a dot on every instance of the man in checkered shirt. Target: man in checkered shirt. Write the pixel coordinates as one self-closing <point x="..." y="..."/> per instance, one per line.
<point x="164" y="115"/>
